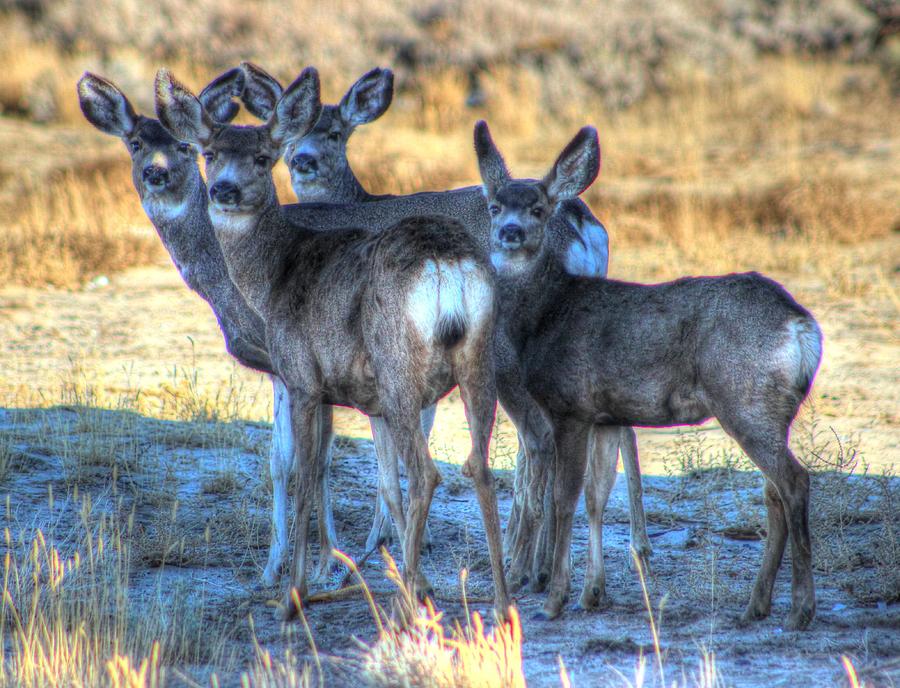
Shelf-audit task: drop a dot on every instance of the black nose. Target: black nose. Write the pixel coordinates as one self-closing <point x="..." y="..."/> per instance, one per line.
<point x="303" y="162"/>
<point x="225" y="193"/>
<point x="155" y="175"/>
<point x="511" y="234"/>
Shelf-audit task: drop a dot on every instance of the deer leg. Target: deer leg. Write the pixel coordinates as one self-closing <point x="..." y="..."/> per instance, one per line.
<point x="305" y="413"/>
<point x="427" y="419"/>
<point x="281" y="460"/>
<point x="479" y="398"/>
<point x="640" y="541"/>
<point x="787" y="505"/>
<point x="603" y="447"/>
<point x="536" y="452"/>
<point x="542" y="557"/>
<point x="571" y="457"/>
<point x="389" y="483"/>
<point x="327" y="534"/>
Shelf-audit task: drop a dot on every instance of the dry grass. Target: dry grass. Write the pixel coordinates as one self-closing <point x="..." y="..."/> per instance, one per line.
<point x="75" y="228"/>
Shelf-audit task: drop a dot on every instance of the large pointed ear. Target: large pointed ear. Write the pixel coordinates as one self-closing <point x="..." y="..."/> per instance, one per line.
<point x="298" y="109"/>
<point x="490" y="163"/>
<point x="218" y="98"/>
<point x="180" y="112"/>
<point x="576" y="168"/>
<point x="105" y="106"/>
<point x="369" y="97"/>
<point x="261" y="91"/>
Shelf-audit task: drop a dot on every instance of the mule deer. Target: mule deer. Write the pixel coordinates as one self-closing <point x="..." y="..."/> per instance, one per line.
<point x="173" y="194"/>
<point x="737" y="348"/>
<point x="320" y="171"/>
<point x="386" y="322"/>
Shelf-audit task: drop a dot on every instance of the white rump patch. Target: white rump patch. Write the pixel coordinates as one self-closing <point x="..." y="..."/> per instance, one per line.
<point x="591" y="258"/>
<point x="448" y="292"/>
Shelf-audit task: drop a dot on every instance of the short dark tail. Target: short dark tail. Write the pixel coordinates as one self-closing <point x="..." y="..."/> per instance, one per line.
<point x="451" y="328"/>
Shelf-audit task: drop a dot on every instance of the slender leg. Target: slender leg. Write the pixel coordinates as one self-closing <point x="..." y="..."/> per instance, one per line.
<point x="640" y="541"/>
<point x="545" y="542"/>
<point x="389" y="481"/>
<point x="281" y="459"/>
<point x="479" y="397"/>
<point x="787" y="502"/>
<point x="515" y="512"/>
<point x="571" y="457"/>
<point x="327" y="534"/>
<point x="305" y="414"/>
<point x="601" y="476"/>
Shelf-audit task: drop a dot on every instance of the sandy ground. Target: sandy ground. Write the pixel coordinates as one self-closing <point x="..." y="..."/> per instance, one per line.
<point x="144" y="331"/>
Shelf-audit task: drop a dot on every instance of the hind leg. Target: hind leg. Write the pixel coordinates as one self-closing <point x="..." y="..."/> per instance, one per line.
<point x="787" y="503"/>
<point x="328" y="540"/>
<point x="476" y="386"/>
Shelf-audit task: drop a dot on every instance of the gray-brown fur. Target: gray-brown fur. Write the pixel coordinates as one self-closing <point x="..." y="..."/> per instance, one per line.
<point x="334" y="181"/>
<point x="174" y="196"/>
<point x="601" y="352"/>
<point x="361" y="343"/>
<point x="318" y="163"/>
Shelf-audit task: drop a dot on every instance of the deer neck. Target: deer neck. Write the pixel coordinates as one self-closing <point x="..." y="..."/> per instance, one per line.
<point x="345" y="189"/>
<point x="253" y="244"/>
<point x="184" y="228"/>
<point x="527" y="295"/>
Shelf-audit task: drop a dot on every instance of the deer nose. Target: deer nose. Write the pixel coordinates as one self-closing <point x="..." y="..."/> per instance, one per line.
<point x="225" y="193"/>
<point x="304" y="162"/>
<point x="511" y="233"/>
<point x="154" y="175"/>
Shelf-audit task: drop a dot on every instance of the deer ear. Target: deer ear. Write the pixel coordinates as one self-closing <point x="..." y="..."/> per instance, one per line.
<point x="218" y="97"/>
<point x="298" y="109"/>
<point x="490" y="163"/>
<point x="105" y="106"/>
<point x="576" y="167"/>
<point x="368" y="98"/>
<point x="261" y="91"/>
<point x="180" y="112"/>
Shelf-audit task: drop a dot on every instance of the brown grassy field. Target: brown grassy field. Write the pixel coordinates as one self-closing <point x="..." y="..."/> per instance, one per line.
<point x="133" y="451"/>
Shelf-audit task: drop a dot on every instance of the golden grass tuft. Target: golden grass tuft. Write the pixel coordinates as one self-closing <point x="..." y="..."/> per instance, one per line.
<point x="75" y="228"/>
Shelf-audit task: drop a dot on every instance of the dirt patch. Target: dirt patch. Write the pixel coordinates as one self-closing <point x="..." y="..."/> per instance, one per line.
<point x="201" y="550"/>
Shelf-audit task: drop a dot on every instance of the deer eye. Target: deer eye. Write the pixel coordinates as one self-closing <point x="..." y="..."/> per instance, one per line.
<point x="184" y="147"/>
<point x="135" y="145"/>
<point x="209" y="156"/>
<point x="334" y="136"/>
<point x="537" y="212"/>
<point x="262" y="160"/>
<point x="494" y="209"/>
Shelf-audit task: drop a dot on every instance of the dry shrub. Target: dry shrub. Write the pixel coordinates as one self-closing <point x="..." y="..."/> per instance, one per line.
<point x="76" y="227"/>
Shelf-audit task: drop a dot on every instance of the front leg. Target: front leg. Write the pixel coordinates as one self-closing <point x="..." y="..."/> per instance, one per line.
<point x="281" y="461"/>
<point x="640" y="541"/>
<point x="571" y="456"/>
<point x="305" y="417"/>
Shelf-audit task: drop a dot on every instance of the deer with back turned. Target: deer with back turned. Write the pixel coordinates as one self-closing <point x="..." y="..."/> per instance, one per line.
<point x="386" y="319"/>
<point x="321" y="171"/>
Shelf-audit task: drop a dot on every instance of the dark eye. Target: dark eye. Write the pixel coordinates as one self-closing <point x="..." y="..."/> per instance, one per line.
<point x="537" y="211"/>
<point x="184" y="147"/>
<point x="334" y="136"/>
<point x="262" y="160"/>
<point x="209" y="156"/>
<point x="494" y="210"/>
<point x="134" y="145"/>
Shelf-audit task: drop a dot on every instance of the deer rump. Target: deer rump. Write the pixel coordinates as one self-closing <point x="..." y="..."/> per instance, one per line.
<point x="417" y="294"/>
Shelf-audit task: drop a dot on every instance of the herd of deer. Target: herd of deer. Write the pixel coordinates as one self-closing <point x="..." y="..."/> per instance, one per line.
<point x="385" y="303"/>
